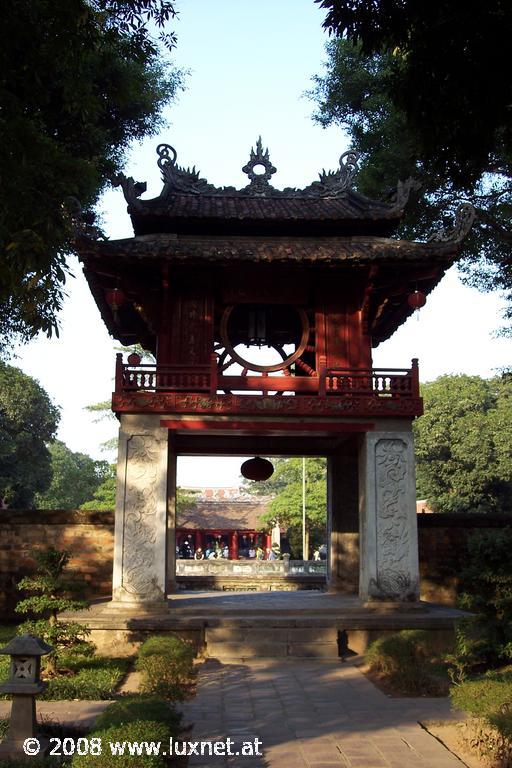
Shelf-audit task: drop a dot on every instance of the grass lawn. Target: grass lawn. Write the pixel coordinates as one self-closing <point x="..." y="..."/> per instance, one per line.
<point x="84" y="677"/>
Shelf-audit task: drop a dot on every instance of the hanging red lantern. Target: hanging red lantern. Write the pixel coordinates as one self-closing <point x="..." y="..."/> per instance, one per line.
<point x="115" y="299"/>
<point x="257" y="469"/>
<point x="134" y="359"/>
<point x="416" y="300"/>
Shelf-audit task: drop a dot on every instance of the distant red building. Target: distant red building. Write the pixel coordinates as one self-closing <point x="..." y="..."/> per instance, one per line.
<point x="224" y="516"/>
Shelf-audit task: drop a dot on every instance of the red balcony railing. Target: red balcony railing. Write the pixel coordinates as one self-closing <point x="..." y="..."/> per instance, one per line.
<point x="380" y="383"/>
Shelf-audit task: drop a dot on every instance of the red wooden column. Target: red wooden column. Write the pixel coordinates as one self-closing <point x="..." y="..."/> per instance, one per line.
<point x="198" y="538"/>
<point x="268" y="540"/>
<point x="233" y="546"/>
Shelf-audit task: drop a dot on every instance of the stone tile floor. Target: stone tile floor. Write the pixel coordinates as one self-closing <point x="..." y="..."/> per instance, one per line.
<point x="311" y="714"/>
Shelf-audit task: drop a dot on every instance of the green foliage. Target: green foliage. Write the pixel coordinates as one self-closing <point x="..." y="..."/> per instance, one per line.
<point x="463" y="444"/>
<point x="361" y="90"/>
<point x="104" y="497"/>
<point x="166" y="664"/>
<point x="464" y="54"/>
<point x="404" y="659"/>
<point x="52" y="594"/>
<point x="136" y="731"/>
<point x="79" y="80"/>
<point x="286" y="507"/>
<point x="84" y="677"/>
<point x="75" y="478"/>
<point x="28" y="421"/>
<point x="486" y="591"/>
<point x="488" y="698"/>
<point x="131" y="708"/>
<point x="93" y="677"/>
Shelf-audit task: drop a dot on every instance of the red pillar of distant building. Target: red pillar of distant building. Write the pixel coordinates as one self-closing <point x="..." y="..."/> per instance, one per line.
<point x="233" y="546"/>
<point x="268" y="539"/>
<point x="198" y="537"/>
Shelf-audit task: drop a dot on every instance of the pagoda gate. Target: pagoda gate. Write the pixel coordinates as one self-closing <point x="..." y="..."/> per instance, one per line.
<point x="312" y="276"/>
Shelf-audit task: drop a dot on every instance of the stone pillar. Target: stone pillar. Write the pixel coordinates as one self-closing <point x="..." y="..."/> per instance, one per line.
<point x="172" y="470"/>
<point x="388" y="530"/>
<point x="140" y="538"/>
<point x="343" y="520"/>
<point x="233" y="546"/>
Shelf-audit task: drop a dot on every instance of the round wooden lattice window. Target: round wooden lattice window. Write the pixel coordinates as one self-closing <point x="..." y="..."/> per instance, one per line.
<point x="293" y="329"/>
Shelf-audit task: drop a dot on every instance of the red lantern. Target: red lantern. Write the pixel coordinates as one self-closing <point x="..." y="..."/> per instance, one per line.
<point x="416" y="300"/>
<point x="115" y="299"/>
<point x="257" y="469"/>
<point x="134" y="359"/>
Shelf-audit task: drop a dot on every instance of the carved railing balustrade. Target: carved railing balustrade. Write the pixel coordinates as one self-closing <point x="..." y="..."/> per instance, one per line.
<point x="348" y="383"/>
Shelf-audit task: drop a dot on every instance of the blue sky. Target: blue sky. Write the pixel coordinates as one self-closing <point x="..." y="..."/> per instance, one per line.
<point x="249" y="65"/>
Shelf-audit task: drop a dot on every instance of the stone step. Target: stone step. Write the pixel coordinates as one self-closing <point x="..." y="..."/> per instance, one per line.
<point x="270" y="642"/>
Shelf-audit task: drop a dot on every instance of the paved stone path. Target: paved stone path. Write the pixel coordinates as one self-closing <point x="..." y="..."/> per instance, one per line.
<point x="312" y="715"/>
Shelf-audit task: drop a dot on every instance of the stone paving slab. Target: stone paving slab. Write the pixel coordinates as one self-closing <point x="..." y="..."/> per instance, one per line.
<point x="313" y="714"/>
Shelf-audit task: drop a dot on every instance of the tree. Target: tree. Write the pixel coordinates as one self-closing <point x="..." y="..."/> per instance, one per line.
<point x="75" y="478"/>
<point x="464" y="444"/>
<point x="89" y="81"/>
<point x="52" y="593"/>
<point x="286" y="507"/>
<point x="448" y="61"/>
<point x="28" y="422"/>
<point x="430" y="134"/>
<point x="104" y="497"/>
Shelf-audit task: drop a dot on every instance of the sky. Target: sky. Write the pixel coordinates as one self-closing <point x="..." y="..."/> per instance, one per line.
<point x="248" y="67"/>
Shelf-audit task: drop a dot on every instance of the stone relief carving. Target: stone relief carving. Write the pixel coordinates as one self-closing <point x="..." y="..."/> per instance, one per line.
<point x="392" y="520"/>
<point x="140" y="517"/>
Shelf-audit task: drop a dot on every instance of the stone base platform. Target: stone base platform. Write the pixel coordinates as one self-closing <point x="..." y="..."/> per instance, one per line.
<point x="305" y="624"/>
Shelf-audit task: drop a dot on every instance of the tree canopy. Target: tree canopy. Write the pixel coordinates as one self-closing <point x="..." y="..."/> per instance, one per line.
<point x="28" y="421"/>
<point x="76" y="478"/>
<point x="464" y="444"/>
<point x="79" y="79"/>
<point x="450" y="129"/>
<point x="286" y="507"/>
<point x="447" y="75"/>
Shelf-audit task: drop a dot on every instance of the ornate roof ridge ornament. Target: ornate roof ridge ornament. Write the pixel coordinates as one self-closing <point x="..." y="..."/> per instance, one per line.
<point x="188" y="181"/>
<point x="259" y="181"/>
<point x="403" y="192"/>
<point x="462" y="223"/>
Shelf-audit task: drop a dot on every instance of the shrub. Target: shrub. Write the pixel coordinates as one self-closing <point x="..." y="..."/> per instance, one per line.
<point x="404" y="659"/>
<point x="489" y="699"/>
<point x="166" y="664"/>
<point x="129" y="709"/>
<point x="135" y="731"/>
<point x="486" y="590"/>
<point x="52" y="593"/>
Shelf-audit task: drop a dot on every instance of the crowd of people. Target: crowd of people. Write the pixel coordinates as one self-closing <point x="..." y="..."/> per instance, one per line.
<point x="218" y="549"/>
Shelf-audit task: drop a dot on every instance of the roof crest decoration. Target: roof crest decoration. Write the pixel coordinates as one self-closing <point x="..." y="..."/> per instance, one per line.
<point x="463" y="221"/>
<point x="179" y="180"/>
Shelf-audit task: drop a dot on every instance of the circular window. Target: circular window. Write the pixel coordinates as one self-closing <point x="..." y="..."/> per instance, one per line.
<point x="256" y="326"/>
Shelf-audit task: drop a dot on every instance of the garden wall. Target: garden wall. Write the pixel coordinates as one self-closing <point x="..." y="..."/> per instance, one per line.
<point x="89" y="537"/>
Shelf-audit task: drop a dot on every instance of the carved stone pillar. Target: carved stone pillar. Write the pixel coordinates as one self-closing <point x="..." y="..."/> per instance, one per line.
<point x="343" y="521"/>
<point x="388" y="529"/>
<point x="140" y="538"/>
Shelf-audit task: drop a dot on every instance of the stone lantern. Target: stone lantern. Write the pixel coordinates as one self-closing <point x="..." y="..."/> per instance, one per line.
<point x="23" y="683"/>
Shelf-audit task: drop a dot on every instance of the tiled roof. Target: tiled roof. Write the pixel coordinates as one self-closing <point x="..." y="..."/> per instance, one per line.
<point x="348" y="206"/>
<point x="314" y="250"/>
<point x="227" y="515"/>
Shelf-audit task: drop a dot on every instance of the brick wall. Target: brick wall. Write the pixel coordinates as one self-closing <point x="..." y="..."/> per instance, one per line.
<point x="442" y="542"/>
<point x="87" y="535"/>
